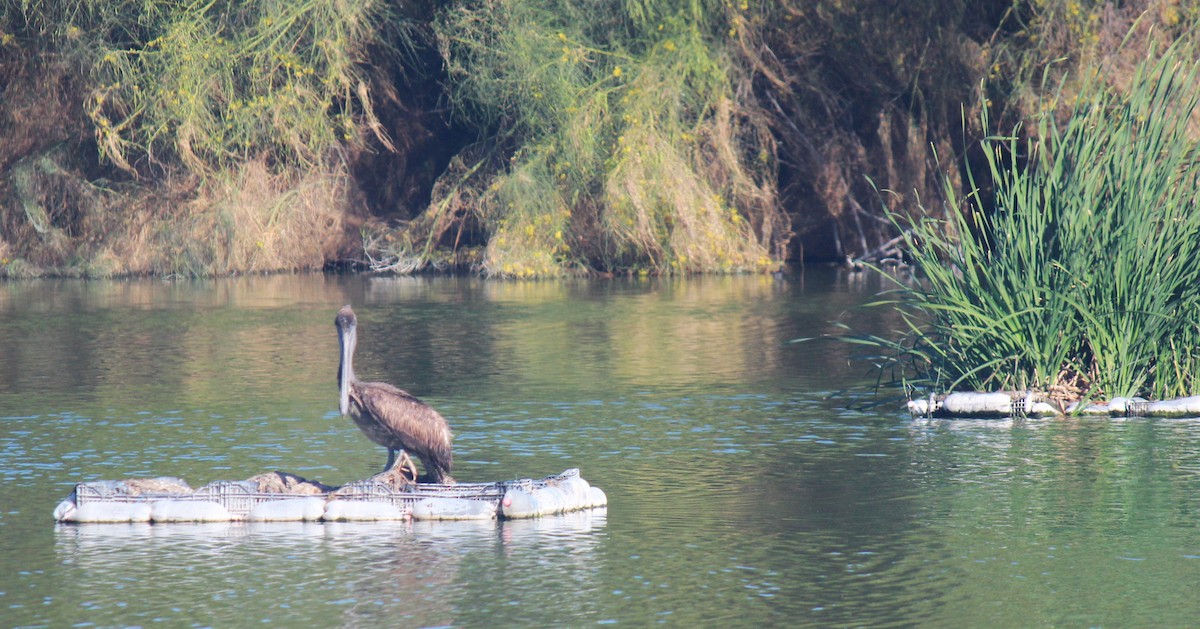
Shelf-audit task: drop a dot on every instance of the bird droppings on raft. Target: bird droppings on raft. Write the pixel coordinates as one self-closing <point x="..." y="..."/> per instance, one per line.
<point x="282" y="497"/>
<point x="1032" y="404"/>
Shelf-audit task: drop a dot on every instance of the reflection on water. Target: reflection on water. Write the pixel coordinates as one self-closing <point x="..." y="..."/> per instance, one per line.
<point x="320" y="574"/>
<point x="747" y="484"/>
<point x="1078" y="509"/>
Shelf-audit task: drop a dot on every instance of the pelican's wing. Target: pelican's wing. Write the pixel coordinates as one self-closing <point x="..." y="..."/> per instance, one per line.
<point x="423" y="431"/>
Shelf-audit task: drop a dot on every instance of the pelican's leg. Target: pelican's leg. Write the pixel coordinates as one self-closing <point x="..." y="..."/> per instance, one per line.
<point x="391" y="459"/>
<point x="408" y="469"/>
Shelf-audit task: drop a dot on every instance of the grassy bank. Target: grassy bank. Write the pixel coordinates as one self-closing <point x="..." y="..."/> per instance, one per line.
<point x="614" y="139"/>
<point x="517" y="139"/>
<point x="198" y="139"/>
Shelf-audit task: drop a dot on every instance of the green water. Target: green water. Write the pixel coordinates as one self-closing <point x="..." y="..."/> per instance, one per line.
<point x="751" y="481"/>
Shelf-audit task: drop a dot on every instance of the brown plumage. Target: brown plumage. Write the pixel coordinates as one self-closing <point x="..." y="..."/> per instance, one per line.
<point x="389" y="416"/>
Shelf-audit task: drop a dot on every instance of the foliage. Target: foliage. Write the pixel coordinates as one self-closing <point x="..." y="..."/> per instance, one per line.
<point x="650" y="136"/>
<point x="217" y="83"/>
<point x="209" y="85"/>
<point x="1067" y="41"/>
<point x="859" y="92"/>
<point x="626" y="145"/>
<point x="1080" y="268"/>
<point x="228" y="124"/>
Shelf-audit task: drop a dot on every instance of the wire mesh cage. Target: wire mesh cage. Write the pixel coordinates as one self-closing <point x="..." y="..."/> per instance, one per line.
<point x="1137" y="407"/>
<point x="239" y="498"/>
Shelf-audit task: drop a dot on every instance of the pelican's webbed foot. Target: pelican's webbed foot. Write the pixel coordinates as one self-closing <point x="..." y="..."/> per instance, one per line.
<point x="400" y="468"/>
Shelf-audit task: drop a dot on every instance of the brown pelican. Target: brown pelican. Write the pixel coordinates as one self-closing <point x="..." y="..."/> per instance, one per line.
<point x="389" y="416"/>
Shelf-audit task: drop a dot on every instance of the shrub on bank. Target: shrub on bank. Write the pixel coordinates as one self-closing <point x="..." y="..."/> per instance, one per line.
<point x="190" y="138"/>
<point x="621" y="136"/>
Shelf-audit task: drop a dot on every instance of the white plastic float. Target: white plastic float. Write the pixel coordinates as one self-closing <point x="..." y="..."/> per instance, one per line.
<point x="282" y="497"/>
<point x="1015" y="404"/>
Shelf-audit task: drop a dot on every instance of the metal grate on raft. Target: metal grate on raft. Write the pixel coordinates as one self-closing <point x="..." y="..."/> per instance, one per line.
<point x="375" y="491"/>
<point x="1137" y="408"/>
<point x="372" y="491"/>
<point x="235" y="496"/>
<point x="239" y="497"/>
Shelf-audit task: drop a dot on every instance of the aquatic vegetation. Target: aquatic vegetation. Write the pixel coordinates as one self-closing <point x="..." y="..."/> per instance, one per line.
<point x="1074" y="267"/>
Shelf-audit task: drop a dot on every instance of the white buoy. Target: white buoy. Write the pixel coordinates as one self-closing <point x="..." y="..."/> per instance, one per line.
<point x="103" y="512"/>
<point x="1179" y="407"/>
<point x="188" y="511"/>
<point x="309" y="509"/>
<point x="598" y="497"/>
<point x="1042" y="409"/>
<point x="1124" y="405"/>
<point x="551" y="500"/>
<point x="978" y="405"/>
<point x="362" y="511"/>
<point x="518" y="503"/>
<point x="576" y="493"/>
<point x="453" y="509"/>
<point x="924" y="407"/>
<point x="65" y="511"/>
<point x="1090" y="409"/>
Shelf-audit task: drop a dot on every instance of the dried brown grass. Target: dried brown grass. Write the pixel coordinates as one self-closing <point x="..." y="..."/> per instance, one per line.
<point x="253" y="220"/>
<point x="248" y="221"/>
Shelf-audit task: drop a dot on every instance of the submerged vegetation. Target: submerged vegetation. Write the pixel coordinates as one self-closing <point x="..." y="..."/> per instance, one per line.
<point x="517" y="139"/>
<point x="1077" y="270"/>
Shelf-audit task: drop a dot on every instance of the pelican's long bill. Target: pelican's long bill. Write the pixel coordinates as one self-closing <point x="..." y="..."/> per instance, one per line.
<point x="346" y="337"/>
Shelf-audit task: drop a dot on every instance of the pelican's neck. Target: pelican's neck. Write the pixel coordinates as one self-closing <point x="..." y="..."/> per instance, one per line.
<point x="346" y="337"/>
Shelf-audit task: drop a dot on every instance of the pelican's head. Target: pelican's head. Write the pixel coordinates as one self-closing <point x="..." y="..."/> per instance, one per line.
<point x="346" y="323"/>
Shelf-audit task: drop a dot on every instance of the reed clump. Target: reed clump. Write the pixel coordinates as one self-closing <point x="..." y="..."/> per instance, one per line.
<point x="1077" y="269"/>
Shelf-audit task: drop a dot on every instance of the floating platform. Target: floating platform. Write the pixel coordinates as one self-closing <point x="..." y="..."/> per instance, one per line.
<point x="283" y="497"/>
<point x="1018" y="404"/>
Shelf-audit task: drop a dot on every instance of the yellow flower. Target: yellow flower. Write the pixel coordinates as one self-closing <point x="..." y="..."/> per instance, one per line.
<point x="669" y="45"/>
<point x="617" y="71"/>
